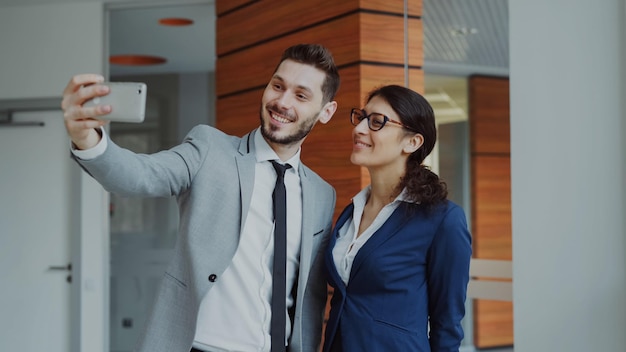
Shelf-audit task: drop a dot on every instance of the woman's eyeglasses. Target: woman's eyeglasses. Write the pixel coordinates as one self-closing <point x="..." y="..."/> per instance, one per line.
<point x="375" y="121"/>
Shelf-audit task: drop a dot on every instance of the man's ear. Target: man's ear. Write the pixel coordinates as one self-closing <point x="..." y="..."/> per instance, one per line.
<point x="327" y="111"/>
<point x="413" y="143"/>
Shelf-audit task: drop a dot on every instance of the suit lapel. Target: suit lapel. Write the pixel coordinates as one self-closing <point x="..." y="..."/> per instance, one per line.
<point x="346" y="214"/>
<point x="246" y="161"/>
<point x="308" y="200"/>
<point x="389" y="229"/>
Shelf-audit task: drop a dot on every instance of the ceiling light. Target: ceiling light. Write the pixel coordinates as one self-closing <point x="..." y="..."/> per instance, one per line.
<point x="463" y="31"/>
<point x="175" y="21"/>
<point x="136" y="60"/>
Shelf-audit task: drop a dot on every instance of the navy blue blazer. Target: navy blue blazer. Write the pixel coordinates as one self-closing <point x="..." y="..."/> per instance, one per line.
<point x="413" y="271"/>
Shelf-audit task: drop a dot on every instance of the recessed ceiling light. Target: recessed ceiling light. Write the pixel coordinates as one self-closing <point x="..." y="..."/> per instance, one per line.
<point x="175" y="21"/>
<point x="463" y="31"/>
<point x="136" y="60"/>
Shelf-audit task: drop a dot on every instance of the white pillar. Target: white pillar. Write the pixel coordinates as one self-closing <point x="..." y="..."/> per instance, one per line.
<point x="568" y="171"/>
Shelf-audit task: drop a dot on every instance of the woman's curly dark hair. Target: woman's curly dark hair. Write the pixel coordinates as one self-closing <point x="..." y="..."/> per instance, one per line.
<point x="422" y="185"/>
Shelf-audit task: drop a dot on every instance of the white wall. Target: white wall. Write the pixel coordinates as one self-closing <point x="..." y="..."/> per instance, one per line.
<point x="42" y="46"/>
<point x="568" y="164"/>
<point x="196" y="101"/>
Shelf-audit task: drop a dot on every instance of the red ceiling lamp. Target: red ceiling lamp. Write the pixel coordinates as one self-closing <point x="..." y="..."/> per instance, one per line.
<point x="175" y="21"/>
<point x="136" y="60"/>
<point x="148" y="60"/>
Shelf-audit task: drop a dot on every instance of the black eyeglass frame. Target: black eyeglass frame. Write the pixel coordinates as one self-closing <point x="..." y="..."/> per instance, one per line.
<point x="360" y="113"/>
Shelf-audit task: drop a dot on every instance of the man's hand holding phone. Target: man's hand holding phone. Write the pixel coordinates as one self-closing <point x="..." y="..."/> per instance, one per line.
<point x="126" y="99"/>
<point x="90" y="103"/>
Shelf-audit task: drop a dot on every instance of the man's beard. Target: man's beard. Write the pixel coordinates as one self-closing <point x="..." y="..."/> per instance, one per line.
<point x="303" y="131"/>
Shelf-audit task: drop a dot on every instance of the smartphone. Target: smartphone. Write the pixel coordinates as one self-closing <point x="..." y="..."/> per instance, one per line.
<point x="127" y="100"/>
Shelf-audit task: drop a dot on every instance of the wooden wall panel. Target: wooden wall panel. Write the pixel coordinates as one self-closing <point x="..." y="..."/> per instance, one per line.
<point x="491" y="132"/>
<point x="239" y="114"/>
<point x="382" y="39"/>
<point x="377" y="49"/>
<point x="492" y="207"/>
<point x="265" y="57"/>
<point x="222" y="7"/>
<point x="491" y="199"/>
<point x="414" y="8"/>
<point x="245" y="27"/>
<point x="374" y="76"/>
<point x="264" y="20"/>
<point x="496" y="323"/>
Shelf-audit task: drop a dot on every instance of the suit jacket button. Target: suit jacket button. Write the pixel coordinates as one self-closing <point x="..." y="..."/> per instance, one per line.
<point x="212" y="277"/>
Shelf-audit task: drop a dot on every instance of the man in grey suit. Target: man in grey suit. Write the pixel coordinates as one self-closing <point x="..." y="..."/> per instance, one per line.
<point x="216" y="293"/>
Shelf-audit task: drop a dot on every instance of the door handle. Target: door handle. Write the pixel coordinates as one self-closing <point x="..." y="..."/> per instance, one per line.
<point x="67" y="267"/>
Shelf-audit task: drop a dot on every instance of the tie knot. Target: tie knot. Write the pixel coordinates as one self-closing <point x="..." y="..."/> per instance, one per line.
<point x="280" y="168"/>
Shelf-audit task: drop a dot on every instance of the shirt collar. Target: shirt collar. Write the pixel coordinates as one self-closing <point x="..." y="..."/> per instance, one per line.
<point x="265" y="153"/>
<point x="361" y="197"/>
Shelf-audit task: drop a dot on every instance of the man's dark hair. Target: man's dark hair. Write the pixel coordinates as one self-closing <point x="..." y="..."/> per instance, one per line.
<point x="320" y="57"/>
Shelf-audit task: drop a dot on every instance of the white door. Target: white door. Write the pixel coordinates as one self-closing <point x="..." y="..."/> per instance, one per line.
<point x="36" y="217"/>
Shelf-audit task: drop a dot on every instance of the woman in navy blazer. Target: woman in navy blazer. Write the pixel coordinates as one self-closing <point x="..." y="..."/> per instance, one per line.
<point x="398" y="258"/>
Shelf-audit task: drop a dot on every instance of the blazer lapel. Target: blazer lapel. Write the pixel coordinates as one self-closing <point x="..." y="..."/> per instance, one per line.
<point x="345" y="215"/>
<point x="389" y="229"/>
<point x="308" y="225"/>
<point x="246" y="161"/>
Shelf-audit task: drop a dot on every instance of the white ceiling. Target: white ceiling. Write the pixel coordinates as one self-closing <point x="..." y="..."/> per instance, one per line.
<point x="187" y="48"/>
<point x="464" y="37"/>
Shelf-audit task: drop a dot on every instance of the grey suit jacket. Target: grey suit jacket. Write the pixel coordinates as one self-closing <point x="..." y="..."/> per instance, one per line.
<point x="212" y="175"/>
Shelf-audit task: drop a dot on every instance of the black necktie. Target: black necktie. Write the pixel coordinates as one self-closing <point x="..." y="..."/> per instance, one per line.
<point x="279" y="272"/>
